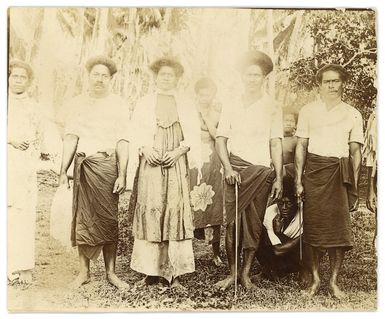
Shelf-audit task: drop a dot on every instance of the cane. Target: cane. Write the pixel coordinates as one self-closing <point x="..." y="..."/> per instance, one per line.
<point x="236" y="242"/>
<point x="300" y="211"/>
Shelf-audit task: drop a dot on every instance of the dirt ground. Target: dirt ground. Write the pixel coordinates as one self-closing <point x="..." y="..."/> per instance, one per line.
<point x="56" y="267"/>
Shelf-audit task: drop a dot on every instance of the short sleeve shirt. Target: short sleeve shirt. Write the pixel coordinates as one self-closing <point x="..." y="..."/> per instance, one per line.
<point x="330" y="131"/>
<point x="249" y="129"/>
<point x="99" y="123"/>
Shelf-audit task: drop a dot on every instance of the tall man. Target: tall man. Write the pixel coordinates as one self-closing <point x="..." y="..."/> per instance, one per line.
<point x="253" y="125"/>
<point x="24" y="140"/>
<point x="330" y="135"/>
<point x="95" y="135"/>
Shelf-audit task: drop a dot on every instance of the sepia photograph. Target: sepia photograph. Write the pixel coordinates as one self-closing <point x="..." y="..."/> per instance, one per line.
<point x="164" y="159"/>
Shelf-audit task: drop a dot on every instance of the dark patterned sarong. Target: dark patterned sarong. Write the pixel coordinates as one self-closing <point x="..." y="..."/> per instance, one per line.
<point x="329" y="193"/>
<point x="256" y="182"/>
<point x="95" y="207"/>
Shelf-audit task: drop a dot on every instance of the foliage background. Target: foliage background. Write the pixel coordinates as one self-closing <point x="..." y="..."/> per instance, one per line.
<point x="58" y="42"/>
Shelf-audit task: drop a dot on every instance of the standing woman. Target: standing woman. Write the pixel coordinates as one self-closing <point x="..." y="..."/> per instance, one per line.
<point x="25" y="135"/>
<point x="166" y="137"/>
<point x="207" y="198"/>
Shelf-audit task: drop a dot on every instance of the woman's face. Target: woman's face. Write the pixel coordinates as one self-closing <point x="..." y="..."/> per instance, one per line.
<point x="166" y="78"/>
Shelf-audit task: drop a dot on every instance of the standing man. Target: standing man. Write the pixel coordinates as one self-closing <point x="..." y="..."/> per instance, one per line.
<point x="253" y="125"/>
<point x="330" y="134"/>
<point x="95" y="135"/>
<point x="24" y="138"/>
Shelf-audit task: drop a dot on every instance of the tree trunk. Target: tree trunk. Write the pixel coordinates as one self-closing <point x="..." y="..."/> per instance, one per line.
<point x="270" y="39"/>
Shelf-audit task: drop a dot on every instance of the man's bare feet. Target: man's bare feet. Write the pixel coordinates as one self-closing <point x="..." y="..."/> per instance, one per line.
<point x="225" y="283"/>
<point x="335" y="291"/>
<point x="246" y="282"/>
<point x="25" y="277"/>
<point x="81" y="279"/>
<point x="115" y="281"/>
<point x="177" y="285"/>
<point x="305" y="279"/>
<point x="313" y="288"/>
<point x="217" y="261"/>
<point x="13" y="278"/>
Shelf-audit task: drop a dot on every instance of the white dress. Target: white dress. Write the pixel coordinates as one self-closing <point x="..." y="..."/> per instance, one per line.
<point x="23" y="125"/>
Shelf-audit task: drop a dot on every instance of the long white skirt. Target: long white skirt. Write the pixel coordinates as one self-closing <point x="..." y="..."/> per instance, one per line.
<point x="22" y="200"/>
<point x="168" y="259"/>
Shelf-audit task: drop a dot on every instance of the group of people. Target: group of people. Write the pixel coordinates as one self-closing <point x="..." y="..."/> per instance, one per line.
<point x="193" y="167"/>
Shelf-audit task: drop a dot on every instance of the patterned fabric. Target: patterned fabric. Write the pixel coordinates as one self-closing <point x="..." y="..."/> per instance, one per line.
<point x="207" y="197"/>
<point x="168" y="259"/>
<point x="162" y="225"/>
<point x="163" y="210"/>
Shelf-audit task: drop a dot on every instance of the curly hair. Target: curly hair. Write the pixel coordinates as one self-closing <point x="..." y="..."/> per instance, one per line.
<point x="101" y="59"/>
<point x="20" y="64"/>
<point x="332" y="67"/>
<point x="170" y="62"/>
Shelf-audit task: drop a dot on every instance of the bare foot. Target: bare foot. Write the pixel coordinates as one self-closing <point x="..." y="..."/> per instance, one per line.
<point x="25" y="277"/>
<point x="177" y="285"/>
<point x="257" y="276"/>
<point x="305" y="279"/>
<point x="217" y="261"/>
<point x="225" y="283"/>
<point x="246" y="282"/>
<point x="147" y="281"/>
<point x="115" y="281"/>
<point x="81" y="279"/>
<point x="13" y="278"/>
<point x="335" y="291"/>
<point x="313" y="289"/>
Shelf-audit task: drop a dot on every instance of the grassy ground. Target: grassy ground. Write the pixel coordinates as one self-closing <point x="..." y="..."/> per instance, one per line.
<point x="56" y="267"/>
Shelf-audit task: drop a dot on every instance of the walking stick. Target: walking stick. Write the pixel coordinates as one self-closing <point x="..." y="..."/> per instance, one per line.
<point x="300" y="210"/>
<point x="236" y="242"/>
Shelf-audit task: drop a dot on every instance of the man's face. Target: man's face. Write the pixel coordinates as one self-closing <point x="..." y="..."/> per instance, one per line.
<point x="18" y="80"/>
<point x="289" y="124"/>
<point x="287" y="207"/>
<point x="166" y="78"/>
<point x="253" y="78"/>
<point x="99" y="79"/>
<point x="205" y="96"/>
<point x="331" y="84"/>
